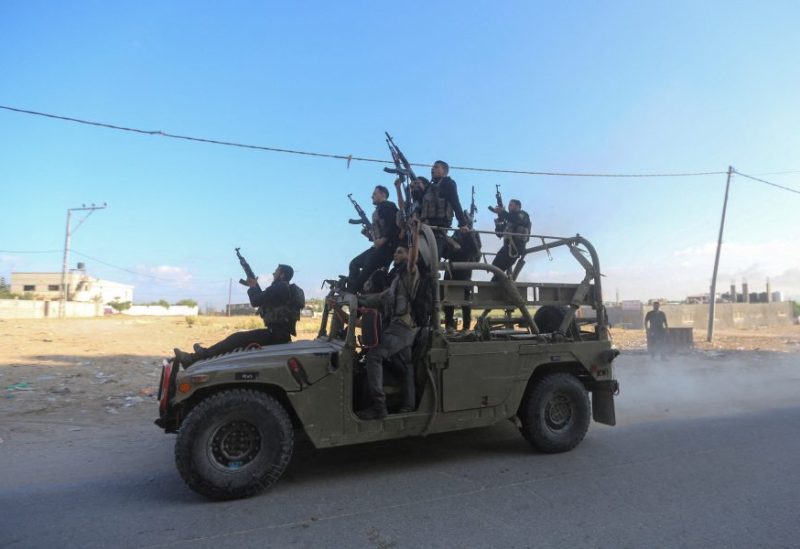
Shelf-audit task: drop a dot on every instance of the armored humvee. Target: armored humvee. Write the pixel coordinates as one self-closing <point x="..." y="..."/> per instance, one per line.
<point x="534" y="363"/>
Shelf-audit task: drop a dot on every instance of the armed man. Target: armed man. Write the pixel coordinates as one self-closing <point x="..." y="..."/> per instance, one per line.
<point x="397" y="338"/>
<point x="516" y="221"/>
<point x="280" y="305"/>
<point x="440" y="202"/>
<point x="469" y="250"/>
<point x="384" y="234"/>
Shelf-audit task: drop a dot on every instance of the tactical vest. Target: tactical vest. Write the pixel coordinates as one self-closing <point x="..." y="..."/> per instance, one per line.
<point x="519" y="222"/>
<point x="401" y="304"/>
<point x="435" y="207"/>
<point x="379" y="223"/>
<point x="287" y="312"/>
<point x="378" y="229"/>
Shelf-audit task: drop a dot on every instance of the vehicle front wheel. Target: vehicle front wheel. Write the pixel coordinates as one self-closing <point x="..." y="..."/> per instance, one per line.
<point x="234" y="444"/>
<point x="555" y="413"/>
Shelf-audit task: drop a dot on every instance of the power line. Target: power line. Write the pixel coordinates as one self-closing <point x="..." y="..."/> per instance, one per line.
<point x="139" y="273"/>
<point x="766" y="182"/>
<point x="31" y="251"/>
<point x="350" y="158"/>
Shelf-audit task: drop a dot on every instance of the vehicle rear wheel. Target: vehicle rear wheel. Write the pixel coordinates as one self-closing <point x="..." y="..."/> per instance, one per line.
<point x="555" y="413"/>
<point x="234" y="444"/>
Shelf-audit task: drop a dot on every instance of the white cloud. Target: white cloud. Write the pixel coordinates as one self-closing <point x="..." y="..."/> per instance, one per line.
<point x="168" y="274"/>
<point x="9" y="263"/>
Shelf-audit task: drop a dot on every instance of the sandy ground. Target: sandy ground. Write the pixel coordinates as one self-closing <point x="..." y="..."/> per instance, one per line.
<point x="99" y="370"/>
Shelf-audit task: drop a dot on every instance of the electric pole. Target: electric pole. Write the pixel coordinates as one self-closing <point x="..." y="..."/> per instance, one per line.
<point x="62" y="310"/>
<point x="712" y="299"/>
<point x="230" y="290"/>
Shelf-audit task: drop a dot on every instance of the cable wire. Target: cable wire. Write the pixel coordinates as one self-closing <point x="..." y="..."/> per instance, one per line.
<point x="766" y="182"/>
<point x="350" y="158"/>
<point x="31" y="252"/>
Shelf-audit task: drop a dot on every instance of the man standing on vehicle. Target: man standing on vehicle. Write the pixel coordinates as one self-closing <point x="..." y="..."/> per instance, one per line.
<point x="398" y="337"/>
<point x="280" y="305"/>
<point x="655" y="323"/>
<point x="384" y="237"/>
<point x="517" y="221"/>
<point x="439" y="202"/>
<point x="470" y="251"/>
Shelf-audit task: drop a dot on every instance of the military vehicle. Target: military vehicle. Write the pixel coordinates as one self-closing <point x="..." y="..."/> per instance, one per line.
<point x="535" y="363"/>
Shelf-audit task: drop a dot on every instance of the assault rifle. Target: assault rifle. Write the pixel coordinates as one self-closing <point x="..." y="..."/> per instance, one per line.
<point x="402" y="166"/>
<point x="500" y="223"/>
<point x="403" y="170"/>
<point x="473" y="209"/>
<point x="362" y="219"/>
<point x="247" y="270"/>
<point x="499" y="198"/>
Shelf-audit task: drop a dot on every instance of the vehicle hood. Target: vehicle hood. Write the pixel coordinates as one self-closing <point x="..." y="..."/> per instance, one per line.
<point x="317" y="350"/>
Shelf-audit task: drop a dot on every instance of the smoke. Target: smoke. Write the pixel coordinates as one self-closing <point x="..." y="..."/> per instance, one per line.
<point x="704" y="384"/>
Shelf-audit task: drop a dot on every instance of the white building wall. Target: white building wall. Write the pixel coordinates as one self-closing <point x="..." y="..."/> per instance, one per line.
<point x="82" y="287"/>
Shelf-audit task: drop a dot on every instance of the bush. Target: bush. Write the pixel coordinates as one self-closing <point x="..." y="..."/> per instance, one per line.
<point x="187" y="303"/>
<point x="120" y="306"/>
<point x="190" y="320"/>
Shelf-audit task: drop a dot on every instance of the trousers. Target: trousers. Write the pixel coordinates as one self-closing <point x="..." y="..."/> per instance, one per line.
<point x="262" y="336"/>
<point x="396" y="342"/>
<point x="366" y="263"/>
<point x="466" y="311"/>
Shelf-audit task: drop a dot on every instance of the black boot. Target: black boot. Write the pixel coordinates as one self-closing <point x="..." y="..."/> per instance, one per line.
<point x="183" y="358"/>
<point x="376" y="411"/>
<point x="200" y="351"/>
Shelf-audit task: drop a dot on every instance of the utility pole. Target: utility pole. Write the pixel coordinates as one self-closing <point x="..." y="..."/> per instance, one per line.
<point x="712" y="298"/>
<point x="230" y="290"/>
<point x="62" y="310"/>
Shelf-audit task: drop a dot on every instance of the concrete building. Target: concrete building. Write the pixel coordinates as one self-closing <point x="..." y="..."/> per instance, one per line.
<point x="80" y="287"/>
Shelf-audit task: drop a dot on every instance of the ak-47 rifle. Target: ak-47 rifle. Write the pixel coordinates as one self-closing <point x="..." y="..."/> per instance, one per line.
<point x="499" y="198"/>
<point x="362" y="219"/>
<point x="247" y="270"/>
<point x="500" y="222"/>
<point x="473" y="209"/>
<point x="403" y="170"/>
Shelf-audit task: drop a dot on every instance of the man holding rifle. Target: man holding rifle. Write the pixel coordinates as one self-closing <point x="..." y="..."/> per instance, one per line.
<point x="280" y="309"/>
<point x="384" y="236"/>
<point x="516" y="221"/>
<point x="439" y="202"/>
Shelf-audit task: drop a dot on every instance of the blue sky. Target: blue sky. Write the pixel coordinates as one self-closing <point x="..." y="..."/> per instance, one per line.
<point x="615" y="87"/>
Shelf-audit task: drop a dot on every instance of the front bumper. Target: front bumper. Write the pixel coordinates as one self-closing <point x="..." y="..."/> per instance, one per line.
<point x="168" y="418"/>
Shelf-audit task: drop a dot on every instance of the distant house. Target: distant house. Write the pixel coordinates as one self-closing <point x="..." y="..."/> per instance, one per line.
<point x="80" y="287"/>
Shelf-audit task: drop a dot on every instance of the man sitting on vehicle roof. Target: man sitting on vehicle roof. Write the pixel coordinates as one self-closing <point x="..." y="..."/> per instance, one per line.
<point x="280" y="305"/>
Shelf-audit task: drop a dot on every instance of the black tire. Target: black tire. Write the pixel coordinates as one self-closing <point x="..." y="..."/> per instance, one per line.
<point x="548" y="319"/>
<point x="234" y="444"/>
<point x="555" y="413"/>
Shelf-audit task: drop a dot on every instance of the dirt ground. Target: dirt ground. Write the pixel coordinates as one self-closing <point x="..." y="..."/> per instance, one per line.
<point x="98" y="370"/>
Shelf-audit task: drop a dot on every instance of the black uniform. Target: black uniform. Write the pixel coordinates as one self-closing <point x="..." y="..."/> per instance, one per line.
<point x="439" y="203"/>
<point x="470" y="251"/>
<point x="279" y="319"/>
<point x="655" y="323"/>
<point x="384" y="225"/>
<point x="517" y="222"/>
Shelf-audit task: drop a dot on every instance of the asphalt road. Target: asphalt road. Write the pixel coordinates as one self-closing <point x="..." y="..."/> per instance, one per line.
<point x="705" y="461"/>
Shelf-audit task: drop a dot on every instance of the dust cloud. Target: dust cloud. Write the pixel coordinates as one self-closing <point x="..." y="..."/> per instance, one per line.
<point x="704" y="383"/>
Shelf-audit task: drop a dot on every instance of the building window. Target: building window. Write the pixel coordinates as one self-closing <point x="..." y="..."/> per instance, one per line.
<point x="29" y="288"/>
<point x="53" y="287"/>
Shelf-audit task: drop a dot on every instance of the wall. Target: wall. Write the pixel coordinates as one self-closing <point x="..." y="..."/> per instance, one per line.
<point x="158" y="310"/>
<point x="744" y="316"/>
<point x="28" y="308"/>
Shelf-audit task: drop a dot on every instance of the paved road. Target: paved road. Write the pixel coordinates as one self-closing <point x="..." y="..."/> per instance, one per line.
<point x="673" y="473"/>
